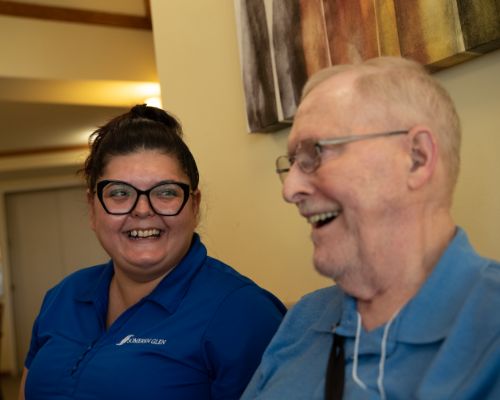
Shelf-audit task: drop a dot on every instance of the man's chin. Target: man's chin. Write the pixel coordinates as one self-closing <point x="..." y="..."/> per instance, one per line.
<point x="327" y="269"/>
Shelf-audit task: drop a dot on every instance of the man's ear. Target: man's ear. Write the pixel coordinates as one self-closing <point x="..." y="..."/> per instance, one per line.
<point x="423" y="156"/>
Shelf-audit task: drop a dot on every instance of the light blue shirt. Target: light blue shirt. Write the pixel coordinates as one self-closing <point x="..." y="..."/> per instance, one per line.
<point x="444" y="344"/>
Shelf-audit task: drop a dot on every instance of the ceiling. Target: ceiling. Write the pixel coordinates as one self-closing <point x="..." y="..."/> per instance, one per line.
<point x="63" y="125"/>
<point x="83" y="11"/>
<point x="43" y="113"/>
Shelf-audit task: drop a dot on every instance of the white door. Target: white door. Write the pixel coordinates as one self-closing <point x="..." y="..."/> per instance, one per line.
<point x="49" y="237"/>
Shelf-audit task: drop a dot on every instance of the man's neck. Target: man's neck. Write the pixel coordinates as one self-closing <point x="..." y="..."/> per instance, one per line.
<point x="399" y="271"/>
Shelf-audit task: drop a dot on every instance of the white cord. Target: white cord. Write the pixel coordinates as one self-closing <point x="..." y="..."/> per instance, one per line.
<point x="356" y="351"/>
<point x="383" y="351"/>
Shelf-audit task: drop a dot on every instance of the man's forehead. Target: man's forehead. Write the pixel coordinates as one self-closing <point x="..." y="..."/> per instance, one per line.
<point x="340" y="84"/>
<point x="328" y="108"/>
<point x="334" y="93"/>
<point x="303" y="131"/>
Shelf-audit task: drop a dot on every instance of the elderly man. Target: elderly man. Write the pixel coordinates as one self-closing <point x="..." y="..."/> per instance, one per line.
<point x="373" y="158"/>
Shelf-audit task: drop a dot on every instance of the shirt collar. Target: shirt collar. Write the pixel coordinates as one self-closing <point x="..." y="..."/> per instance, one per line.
<point x="429" y="316"/>
<point x="172" y="289"/>
<point x="332" y="312"/>
<point x="99" y="289"/>
<point x="169" y="292"/>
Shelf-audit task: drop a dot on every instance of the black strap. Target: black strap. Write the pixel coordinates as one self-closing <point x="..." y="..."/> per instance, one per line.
<point x="334" y="382"/>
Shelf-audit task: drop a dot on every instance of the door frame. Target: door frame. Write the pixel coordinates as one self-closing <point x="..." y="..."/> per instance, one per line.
<point x="59" y="179"/>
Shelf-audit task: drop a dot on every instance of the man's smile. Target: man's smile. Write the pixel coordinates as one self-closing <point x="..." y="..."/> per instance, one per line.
<point x="321" y="219"/>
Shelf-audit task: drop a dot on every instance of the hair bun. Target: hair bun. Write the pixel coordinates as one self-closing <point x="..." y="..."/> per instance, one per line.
<point x="155" y="114"/>
<point x="140" y="110"/>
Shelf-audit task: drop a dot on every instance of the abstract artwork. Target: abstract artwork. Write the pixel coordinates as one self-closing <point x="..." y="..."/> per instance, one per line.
<point x="283" y="42"/>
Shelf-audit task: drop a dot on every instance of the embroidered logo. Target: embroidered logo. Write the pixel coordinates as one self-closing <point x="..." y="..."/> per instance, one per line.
<point x="131" y="339"/>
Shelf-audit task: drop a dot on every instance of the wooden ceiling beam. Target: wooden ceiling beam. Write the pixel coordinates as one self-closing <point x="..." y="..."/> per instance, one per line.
<point x="147" y="7"/>
<point x="66" y="14"/>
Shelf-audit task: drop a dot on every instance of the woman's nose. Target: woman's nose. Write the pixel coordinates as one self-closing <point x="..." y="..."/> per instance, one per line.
<point x="143" y="207"/>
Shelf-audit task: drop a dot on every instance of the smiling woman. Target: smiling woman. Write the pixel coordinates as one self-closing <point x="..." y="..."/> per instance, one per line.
<point x="161" y="319"/>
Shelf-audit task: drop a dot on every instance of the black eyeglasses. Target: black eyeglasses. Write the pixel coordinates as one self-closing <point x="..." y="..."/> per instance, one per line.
<point x="166" y="198"/>
<point x="308" y="152"/>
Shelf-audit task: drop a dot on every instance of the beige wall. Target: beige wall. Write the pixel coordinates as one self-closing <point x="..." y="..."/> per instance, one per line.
<point x="475" y="88"/>
<point x="245" y="222"/>
<point x="41" y="49"/>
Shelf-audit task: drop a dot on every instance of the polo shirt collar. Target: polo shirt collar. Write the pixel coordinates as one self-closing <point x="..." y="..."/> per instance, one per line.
<point x="332" y="312"/>
<point x="98" y="291"/>
<point x="172" y="289"/>
<point x="169" y="292"/>
<point x="427" y="317"/>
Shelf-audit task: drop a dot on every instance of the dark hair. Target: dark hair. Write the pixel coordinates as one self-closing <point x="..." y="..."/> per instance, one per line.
<point x="141" y="128"/>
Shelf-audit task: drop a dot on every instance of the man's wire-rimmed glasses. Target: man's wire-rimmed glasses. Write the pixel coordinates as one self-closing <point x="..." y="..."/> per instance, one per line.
<point x="166" y="198"/>
<point x="308" y="152"/>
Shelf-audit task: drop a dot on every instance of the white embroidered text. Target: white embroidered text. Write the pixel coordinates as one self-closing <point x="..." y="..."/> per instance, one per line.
<point x="131" y="339"/>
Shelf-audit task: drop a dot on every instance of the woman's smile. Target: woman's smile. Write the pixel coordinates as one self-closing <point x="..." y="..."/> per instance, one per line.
<point x="144" y="233"/>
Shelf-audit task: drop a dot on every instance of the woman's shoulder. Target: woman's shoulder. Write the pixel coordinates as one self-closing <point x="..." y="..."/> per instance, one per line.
<point x="80" y="280"/>
<point x="222" y="284"/>
<point x="85" y="274"/>
<point x="212" y="272"/>
<point x="218" y="273"/>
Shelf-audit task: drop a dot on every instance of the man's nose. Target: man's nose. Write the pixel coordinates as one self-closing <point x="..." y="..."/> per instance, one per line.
<point x="296" y="185"/>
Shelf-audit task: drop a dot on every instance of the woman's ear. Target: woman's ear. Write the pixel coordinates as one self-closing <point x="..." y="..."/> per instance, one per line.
<point x="91" y="209"/>
<point x="196" y="205"/>
<point x="423" y="156"/>
<point x="196" y="200"/>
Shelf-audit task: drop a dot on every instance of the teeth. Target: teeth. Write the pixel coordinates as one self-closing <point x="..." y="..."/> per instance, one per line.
<point x="314" y="219"/>
<point x="144" y="233"/>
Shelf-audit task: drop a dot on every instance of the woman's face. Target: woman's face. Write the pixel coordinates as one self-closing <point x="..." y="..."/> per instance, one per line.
<point x="142" y="244"/>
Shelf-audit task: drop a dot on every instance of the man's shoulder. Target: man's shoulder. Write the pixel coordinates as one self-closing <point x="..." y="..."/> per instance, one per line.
<point x="485" y="292"/>
<point x="294" y="362"/>
<point x="484" y="284"/>
<point x="322" y="306"/>
<point x="490" y="271"/>
<point x="320" y="298"/>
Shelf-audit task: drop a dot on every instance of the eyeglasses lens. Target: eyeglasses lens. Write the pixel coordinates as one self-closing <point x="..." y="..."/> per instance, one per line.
<point x="307" y="156"/>
<point x="119" y="198"/>
<point x="167" y="199"/>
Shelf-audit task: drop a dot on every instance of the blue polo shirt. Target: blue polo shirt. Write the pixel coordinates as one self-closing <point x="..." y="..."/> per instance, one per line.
<point x="199" y="335"/>
<point x="443" y="344"/>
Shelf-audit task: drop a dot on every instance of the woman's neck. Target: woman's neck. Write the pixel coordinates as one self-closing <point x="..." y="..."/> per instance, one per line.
<point x="124" y="293"/>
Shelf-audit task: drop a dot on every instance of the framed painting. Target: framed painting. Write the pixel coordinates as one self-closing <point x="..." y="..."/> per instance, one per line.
<point x="283" y="42"/>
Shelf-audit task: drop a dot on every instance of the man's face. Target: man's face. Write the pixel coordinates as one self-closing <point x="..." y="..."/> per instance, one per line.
<point x="352" y="199"/>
